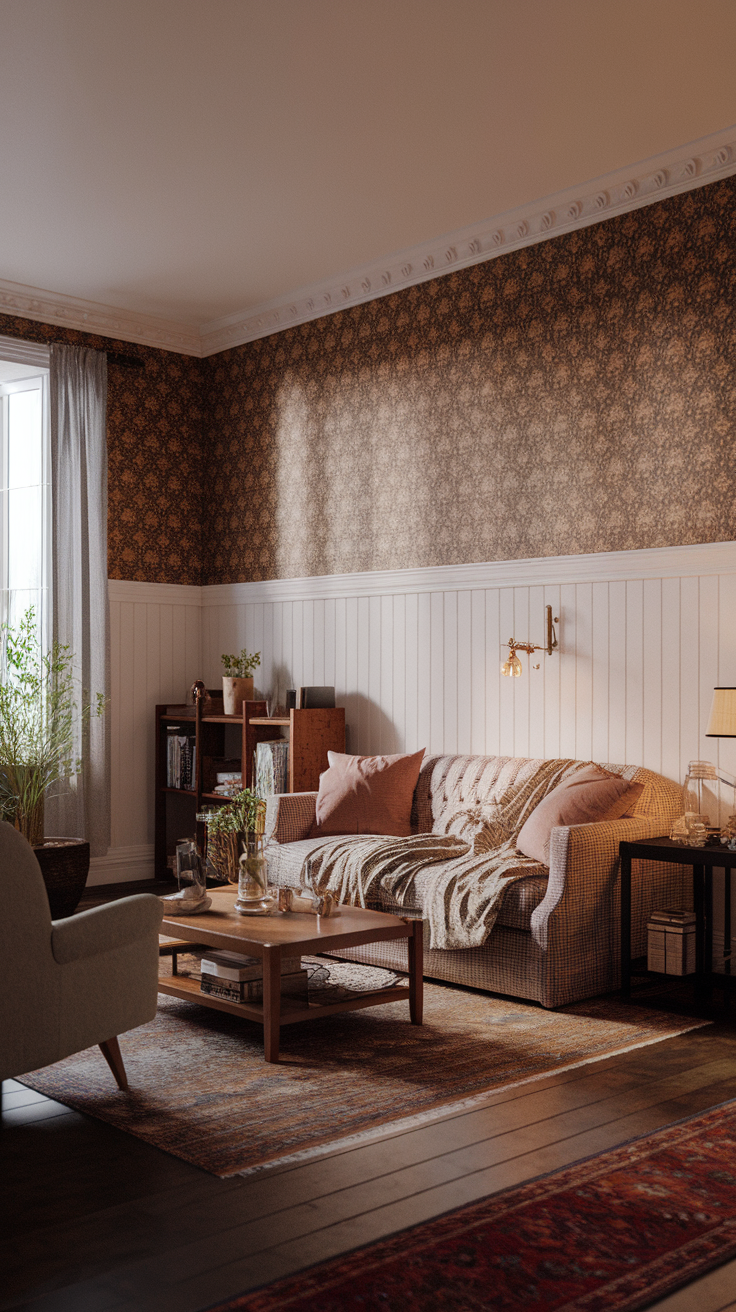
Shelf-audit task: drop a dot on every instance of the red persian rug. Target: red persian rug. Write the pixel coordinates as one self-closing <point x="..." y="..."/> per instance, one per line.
<point x="610" y="1234"/>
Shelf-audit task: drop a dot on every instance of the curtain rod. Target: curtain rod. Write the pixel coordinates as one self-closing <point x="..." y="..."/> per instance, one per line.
<point x="117" y="358"/>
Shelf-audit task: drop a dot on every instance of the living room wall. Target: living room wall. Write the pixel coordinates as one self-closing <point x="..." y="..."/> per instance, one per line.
<point x="154" y="425"/>
<point x="573" y="396"/>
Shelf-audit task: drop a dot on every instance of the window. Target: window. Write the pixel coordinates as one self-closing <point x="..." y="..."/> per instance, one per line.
<point x="25" y="500"/>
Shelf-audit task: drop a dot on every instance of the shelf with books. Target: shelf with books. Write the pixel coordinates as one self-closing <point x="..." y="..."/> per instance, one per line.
<point x="217" y="743"/>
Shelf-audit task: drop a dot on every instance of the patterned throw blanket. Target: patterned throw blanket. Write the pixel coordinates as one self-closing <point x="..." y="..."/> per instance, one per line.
<point x="480" y="862"/>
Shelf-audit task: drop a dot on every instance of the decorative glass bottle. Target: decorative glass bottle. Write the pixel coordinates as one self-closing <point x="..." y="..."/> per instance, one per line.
<point x="252" y="899"/>
<point x="701" y="796"/>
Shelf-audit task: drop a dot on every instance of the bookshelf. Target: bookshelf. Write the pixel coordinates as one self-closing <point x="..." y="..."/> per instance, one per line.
<point x="228" y="738"/>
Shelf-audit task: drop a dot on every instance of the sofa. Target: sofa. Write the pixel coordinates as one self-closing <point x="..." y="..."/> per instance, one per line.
<point x="556" y="937"/>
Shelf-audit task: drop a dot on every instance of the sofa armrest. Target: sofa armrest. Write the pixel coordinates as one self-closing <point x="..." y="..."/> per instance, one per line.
<point x="583" y="868"/>
<point x="114" y="925"/>
<point x="289" y="816"/>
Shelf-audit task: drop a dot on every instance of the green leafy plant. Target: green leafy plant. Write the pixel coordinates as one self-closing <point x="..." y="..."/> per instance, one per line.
<point x="38" y="700"/>
<point x="246" y="812"/>
<point x="242" y="666"/>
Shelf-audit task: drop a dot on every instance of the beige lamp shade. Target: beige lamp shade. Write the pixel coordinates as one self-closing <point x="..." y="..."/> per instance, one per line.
<point x="722" y="722"/>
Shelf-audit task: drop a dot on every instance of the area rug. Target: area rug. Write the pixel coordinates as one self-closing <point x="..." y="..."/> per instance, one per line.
<point x="200" y="1089"/>
<point x="609" y="1234"/>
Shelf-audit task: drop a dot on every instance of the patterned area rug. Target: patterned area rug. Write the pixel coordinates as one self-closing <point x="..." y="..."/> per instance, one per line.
<point x="611" y="1234"/>
<point x="200" y="1089"/>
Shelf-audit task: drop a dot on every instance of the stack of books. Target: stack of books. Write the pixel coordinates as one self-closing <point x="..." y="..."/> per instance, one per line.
<point x="237" y="978"/>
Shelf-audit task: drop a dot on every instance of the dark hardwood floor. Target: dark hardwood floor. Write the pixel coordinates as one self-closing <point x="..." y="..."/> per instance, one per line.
<point x="95" y="1220"/>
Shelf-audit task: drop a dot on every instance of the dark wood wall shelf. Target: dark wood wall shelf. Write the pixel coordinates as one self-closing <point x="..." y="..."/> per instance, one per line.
<point x="311" y="734"/>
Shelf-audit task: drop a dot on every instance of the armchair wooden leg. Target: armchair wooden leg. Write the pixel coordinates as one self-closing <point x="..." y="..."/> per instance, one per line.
<point x="113" y="1056"/>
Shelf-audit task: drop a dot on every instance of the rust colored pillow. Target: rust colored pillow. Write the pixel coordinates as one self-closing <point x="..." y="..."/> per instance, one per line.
<point x="366" y="795"/>
<point x="589" y="795"/>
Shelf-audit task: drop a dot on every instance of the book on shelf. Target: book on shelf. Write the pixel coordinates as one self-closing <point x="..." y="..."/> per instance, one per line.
<point x="293" y="985"/>
<point x="232" y="966"/>
<point x="270" y="764"/>
<point x="181" y="759"/>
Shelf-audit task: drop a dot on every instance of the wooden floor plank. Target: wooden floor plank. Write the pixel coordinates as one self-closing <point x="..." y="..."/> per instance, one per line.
<point x="133" y="1251"/>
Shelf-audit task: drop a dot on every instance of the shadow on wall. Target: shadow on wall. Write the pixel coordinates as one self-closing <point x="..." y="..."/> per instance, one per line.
<point x="369" y="731"/>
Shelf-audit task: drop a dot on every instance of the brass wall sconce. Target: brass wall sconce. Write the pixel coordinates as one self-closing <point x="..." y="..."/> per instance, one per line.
<point x="512" y="665"/>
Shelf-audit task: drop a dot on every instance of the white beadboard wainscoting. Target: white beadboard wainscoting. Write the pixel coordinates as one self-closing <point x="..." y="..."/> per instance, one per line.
<point x="415" y="658"/>
<point x="156" y="639"/>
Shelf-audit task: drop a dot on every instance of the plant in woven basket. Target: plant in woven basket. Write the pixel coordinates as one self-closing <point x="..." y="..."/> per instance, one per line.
<point x="38" y="701"/>
<point x="227" y="829"/>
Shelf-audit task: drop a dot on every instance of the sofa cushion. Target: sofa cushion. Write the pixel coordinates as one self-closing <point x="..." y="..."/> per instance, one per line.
<point x="366" y="795"/>
<point x="589" y="795"/>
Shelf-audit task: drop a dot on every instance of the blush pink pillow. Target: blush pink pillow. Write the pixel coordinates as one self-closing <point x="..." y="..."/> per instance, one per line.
<point x="589" y="795"/>
<point x="366" y="795"/>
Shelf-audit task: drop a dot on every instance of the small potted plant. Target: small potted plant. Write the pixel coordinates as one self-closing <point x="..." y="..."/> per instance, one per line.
<point x="237" y="681"/>
<point x="235" y="835"/>
<point x="38" y="699"/>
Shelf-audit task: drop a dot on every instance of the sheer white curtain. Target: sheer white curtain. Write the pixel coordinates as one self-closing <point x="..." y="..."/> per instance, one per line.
<point x="79" y="591"/>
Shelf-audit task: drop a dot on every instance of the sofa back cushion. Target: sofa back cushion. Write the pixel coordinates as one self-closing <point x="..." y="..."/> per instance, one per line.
<point x="366" y="795"/>
<point x="449" y="785"/>
<point x="583" y="798"/>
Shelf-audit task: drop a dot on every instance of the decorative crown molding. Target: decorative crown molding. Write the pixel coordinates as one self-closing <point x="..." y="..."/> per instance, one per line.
<point x="91" y="317"/>
<point x="678" y="170"/>
<point x="682" y="169"/>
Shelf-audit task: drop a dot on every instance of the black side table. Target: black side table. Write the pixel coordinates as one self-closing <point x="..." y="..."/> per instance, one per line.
<point x="702" y="860"/>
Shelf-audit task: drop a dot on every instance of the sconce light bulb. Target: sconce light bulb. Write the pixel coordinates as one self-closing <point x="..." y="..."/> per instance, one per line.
<point x="516" y="667"/>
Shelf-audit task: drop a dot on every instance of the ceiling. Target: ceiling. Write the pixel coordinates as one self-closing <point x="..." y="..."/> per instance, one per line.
<point x="195" y="160"/>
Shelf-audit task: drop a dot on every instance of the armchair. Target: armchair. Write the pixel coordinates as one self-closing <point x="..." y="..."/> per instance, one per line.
<point x="69" y="984"/>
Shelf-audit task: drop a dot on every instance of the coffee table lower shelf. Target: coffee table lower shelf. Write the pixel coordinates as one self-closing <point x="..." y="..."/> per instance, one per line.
<point x="290" y="1013"/>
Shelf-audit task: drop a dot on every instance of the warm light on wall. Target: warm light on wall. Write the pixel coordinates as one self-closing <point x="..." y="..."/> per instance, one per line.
<point x="512" y="665"/>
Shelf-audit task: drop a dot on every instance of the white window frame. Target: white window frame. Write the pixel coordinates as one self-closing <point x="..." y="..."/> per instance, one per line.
<point x="36" y="356"/>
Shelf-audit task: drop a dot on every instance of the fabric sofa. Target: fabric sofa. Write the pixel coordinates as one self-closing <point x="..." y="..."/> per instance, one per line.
<point x="556" y="938"/>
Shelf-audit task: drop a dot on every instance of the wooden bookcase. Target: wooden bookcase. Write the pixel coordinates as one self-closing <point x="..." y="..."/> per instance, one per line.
<point x="311" y="734"/>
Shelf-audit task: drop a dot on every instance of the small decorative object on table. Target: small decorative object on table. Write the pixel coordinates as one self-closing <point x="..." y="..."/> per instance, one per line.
<point x="192" y="899"/>
<point x="237" y="681"/>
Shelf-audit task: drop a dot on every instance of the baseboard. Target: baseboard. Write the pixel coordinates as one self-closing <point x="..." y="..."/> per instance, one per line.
<point x="122" y="865"/>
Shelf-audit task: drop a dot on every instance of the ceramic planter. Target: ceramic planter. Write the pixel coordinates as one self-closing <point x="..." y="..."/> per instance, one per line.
<point x="234" y="693"/>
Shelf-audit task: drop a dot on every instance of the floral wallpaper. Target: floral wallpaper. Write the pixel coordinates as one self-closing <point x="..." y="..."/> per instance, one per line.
<point x="574" y="396"/>
<point x="154" y="426"/>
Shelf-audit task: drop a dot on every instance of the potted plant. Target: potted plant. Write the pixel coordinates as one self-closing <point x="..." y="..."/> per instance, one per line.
<point x="237" y="681"/>
<point x="38" y="700"/>
<point x="235" y="835"/>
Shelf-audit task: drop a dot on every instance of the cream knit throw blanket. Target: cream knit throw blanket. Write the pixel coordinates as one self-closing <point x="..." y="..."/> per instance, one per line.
<point x="462" y="902"/>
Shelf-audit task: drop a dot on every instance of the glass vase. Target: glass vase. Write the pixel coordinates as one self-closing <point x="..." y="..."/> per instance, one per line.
<point x="253" y="898"/>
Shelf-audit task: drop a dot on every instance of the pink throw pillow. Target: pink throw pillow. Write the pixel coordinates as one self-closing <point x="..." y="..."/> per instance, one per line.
<point x="366" y="795"/>
<point x="589" y="795"/>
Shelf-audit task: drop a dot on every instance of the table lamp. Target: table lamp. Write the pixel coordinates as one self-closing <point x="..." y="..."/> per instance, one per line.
<point x="722" y="724"/>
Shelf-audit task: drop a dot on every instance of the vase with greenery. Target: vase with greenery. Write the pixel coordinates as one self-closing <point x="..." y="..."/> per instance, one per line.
<point x="237" y="681"/>
<point x="235" y="847"/>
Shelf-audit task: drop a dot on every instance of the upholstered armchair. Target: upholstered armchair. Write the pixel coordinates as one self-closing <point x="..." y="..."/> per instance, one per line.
<point x="69" y="984"/>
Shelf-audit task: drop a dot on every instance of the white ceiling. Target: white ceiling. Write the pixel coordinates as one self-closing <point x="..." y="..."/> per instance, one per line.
<point x="194" y="159"/>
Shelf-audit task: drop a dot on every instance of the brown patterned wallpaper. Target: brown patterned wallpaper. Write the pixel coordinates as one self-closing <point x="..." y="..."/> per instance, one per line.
<point x="574" y="396"/>
<point x="154" y="427"/>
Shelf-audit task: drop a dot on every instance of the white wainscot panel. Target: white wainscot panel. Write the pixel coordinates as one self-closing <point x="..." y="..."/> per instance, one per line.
<point x="415" y="655"/>
<point x="155" y="637"/>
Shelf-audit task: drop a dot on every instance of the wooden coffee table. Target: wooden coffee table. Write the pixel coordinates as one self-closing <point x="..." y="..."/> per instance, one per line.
<point x="295" y="934"/>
